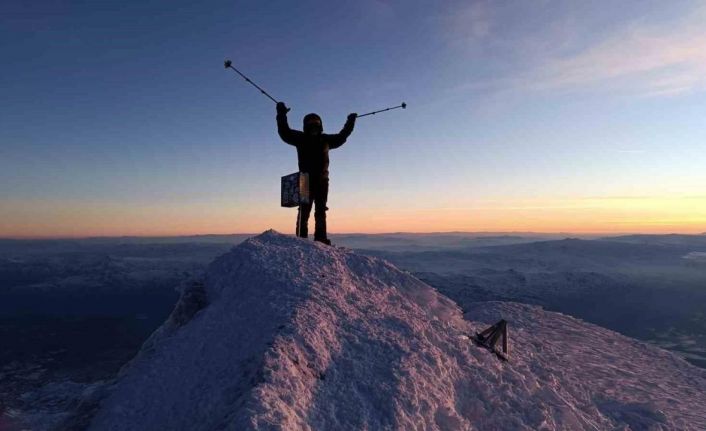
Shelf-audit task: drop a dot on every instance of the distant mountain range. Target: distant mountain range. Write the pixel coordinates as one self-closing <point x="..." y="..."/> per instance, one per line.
<point x="290" y="334"/>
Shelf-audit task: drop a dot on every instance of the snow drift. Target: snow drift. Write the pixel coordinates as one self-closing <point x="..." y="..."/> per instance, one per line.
<point x="293" y="335"/>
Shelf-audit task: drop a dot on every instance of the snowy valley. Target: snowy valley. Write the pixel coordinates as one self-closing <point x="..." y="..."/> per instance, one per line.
<point x="280" y="333"/>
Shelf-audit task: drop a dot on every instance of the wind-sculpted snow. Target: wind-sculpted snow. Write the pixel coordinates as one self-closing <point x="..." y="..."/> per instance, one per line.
<point x="580" y="364"/>
<point x="292" y="335"/>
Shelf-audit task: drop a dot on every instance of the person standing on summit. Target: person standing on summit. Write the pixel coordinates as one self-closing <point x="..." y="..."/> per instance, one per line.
<point x="312" y="152"/>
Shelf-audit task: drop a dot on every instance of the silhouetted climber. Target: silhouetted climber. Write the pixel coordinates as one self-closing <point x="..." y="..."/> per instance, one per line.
<point x="312" y="152"/>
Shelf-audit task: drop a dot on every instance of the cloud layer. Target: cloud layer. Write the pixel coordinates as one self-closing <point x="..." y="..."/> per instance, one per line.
<point x="560" y="52"/>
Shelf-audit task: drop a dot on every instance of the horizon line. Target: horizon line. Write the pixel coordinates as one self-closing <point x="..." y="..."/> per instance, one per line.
<point x="456" y="232"/>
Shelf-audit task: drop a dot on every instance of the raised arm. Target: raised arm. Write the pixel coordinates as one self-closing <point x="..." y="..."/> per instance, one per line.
<point x="288" y="135"/>
<point x="339" y="139"/>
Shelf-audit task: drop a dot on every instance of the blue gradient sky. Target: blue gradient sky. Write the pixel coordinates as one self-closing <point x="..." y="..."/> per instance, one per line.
<point x="118" y="117"/>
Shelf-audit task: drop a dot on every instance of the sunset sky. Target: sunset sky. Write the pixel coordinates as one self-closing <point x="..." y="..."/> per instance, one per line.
<point x="547" y="116"/>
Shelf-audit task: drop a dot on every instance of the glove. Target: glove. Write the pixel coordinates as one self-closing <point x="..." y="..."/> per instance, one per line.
<point x="282" y="108"/>
<point x="352" y="117"/>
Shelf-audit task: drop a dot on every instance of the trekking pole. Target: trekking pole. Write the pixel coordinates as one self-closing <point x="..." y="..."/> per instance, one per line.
<point x="403" y="106"/>
<point x="229" y="64"/>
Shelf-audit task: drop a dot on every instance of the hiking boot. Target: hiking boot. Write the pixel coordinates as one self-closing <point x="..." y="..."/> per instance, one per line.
<point x="323" y="240"/>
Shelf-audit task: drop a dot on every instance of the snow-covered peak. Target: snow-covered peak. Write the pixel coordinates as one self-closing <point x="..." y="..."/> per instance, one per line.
<point x="293" y="335"/>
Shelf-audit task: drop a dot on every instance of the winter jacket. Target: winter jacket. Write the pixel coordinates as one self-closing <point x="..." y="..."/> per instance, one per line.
<point x="312" y="150"/>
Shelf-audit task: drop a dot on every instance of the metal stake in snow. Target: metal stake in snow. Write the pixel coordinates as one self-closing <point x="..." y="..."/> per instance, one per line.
<point x="229" y="64"/>
<point x="490" y="337"/>
<point x="403" y="106"/>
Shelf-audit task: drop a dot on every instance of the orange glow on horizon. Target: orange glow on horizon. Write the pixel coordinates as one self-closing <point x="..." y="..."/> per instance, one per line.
<point x="582" y="216"/>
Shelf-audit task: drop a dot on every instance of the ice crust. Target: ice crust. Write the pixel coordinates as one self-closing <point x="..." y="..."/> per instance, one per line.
<point x="287" y="334"/>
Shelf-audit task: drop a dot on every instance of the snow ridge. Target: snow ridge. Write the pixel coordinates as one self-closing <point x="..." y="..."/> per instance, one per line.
<point x="287" y="334"/>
